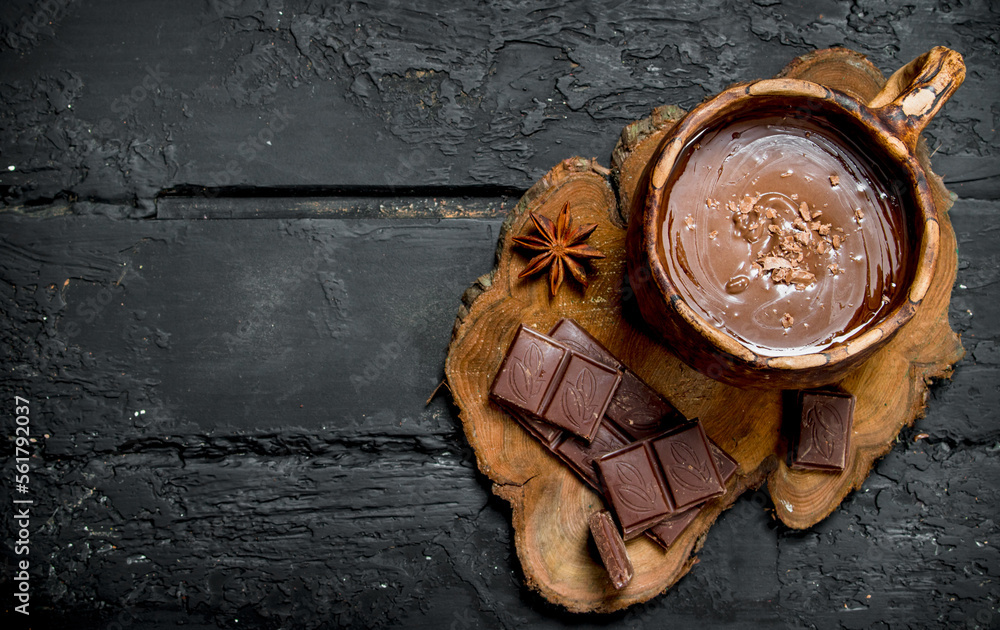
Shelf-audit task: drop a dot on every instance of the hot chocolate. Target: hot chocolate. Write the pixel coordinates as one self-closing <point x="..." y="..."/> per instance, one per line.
<point x="782" y="236"/>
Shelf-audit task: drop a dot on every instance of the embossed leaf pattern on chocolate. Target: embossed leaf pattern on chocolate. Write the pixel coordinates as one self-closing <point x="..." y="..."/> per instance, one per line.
<point x="823" y="423"/>
<point x="687" y="469"/>
<point x="578" y="398"/>
<point x="632" y="492"/>
<point x="604" y="442"/>
<point x="526" y="373"/>
<point x="636" y="410"/>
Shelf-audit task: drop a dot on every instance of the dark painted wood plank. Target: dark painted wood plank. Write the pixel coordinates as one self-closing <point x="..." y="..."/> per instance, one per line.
<point x="193" y="328"/>
<point x="228" y="501"/>
<point x="388" y="204"/>
<point x="116" y="101"/>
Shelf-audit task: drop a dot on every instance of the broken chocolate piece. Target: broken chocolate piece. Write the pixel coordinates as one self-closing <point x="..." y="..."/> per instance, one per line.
<point x="543" y="379"/>
<point x="669" y="529"/>
<point x="575" y="337"/>
<point x="581" y="456"/>
<point x="532" y="363"/>
<point x="611" y="548"/>
<point x="826" y="419"/>
<point x="633" y="486"/>
<point x="639" y="410"/>
<point x="688" y="466"/>
<point x="581" y="395"/>
<point x="636" y="407"/>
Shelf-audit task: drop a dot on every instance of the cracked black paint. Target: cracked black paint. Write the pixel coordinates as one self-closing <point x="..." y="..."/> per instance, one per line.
<point x="274" y="93"/>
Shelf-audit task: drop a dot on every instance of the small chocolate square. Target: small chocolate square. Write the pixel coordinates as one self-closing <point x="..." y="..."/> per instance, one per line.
<point x="572" y="335"/>
<point x="632" y="485"/>
<point x="611" y="548"/>
<point x="688" y="466"/>
<point x="667" y="531"/>
<point x="543" y="431"/>
<point x="581" y="456"/>
<point x="639" y="410"/>
<point x="532" y="363"/>
<point x="724" y="462"/>
<point x="826" y="422"/>
<point x="581" y="396"/>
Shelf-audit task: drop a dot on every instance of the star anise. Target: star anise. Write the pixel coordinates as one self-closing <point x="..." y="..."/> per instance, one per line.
<point x="560" y="246"/>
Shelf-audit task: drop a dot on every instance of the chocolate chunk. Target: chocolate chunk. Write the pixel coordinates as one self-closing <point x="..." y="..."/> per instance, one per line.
<point x="688" y="466"/>
<point x="539" y="370"/>
<point x="570" y="334"/>
<point x="541" y="378"/>
<point x="636" y="407"/>
<point x="532" y="363"/>
<point x="639" y="410"/>
<point x="581" y="396"/>
<point x="581" y="456"/>
<point x="611" y="548"/>
<point x="667" y="531"/>
<point x="632" y="484"/>
<point x="543" y="431"/>
<point x="724" y="462"/>
<point x="826" y="421"/>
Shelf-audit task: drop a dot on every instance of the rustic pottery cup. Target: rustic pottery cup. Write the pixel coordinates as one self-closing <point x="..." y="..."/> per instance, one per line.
<point x="890" y="126"/>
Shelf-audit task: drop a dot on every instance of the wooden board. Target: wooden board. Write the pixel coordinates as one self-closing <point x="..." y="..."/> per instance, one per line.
<point x="550" y="505"/>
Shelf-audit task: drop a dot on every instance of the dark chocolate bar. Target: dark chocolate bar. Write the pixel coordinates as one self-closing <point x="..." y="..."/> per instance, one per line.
<point x="650" y="413"/>
<point x="679" y="464"/>
<point x="611" y="548"/>
<point x="633" y="486"/>
<point x="532" y="363"/>
<point x="542" y="379"/>
<point x="826" y="422"/>
<point x="688" y="466"/>
<point x="636" y="408"/>
<point x="581" y="395"/>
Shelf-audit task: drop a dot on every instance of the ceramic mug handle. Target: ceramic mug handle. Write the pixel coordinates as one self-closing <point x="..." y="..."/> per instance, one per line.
<point x="914" y="93"/>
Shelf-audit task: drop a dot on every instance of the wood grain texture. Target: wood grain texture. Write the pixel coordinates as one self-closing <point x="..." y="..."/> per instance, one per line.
<point x="550" y="506"/>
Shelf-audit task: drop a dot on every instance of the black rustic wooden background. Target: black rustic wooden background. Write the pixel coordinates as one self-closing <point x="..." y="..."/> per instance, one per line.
<point x="233" y="238"/>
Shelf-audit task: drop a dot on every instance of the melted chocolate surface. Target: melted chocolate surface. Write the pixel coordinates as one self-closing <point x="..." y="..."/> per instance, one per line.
<point x="782" y="236"/>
